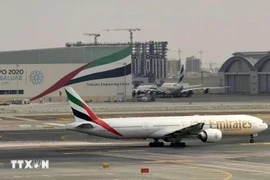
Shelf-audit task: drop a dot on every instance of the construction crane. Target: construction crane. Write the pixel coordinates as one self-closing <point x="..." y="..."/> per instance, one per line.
<point x="211" y="66"/>
<point x="93" y="34"/>
<point x="129" y="29"/>
<point x="201" y="52"/>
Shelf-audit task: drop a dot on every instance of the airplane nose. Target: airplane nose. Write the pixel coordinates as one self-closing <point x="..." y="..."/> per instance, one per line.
<point x="265" y="126"/>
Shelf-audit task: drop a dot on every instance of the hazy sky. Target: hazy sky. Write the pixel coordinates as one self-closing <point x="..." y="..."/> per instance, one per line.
<point x="218" y="27"/>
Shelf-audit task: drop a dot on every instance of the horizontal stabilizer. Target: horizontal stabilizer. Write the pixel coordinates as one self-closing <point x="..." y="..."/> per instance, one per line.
<point x="55" y="124"/>
<point x="80" y="125"/>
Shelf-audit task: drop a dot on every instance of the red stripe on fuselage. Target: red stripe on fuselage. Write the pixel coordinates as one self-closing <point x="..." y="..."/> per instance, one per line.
<point x="99" y="121"/>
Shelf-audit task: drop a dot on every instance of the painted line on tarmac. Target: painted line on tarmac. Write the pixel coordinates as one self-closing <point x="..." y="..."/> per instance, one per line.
<point x="168" y="161"/>
<point x="65" y="136"/>
<point x="2" y="137"/>
<point x="22" y="119"/>
<point x="54" y="144"/>
<point x="232" y="168"/>
<point x="229" y="175"/>
<point x="117" y="151"/>
<point x="254" y="144"/>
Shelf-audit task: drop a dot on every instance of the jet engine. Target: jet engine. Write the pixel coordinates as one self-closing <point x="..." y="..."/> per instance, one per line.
<point x="137" y="92"/>
<point x="188" y="94"/>
<point x="210" y="135"/>
<point x="206" y="91"/>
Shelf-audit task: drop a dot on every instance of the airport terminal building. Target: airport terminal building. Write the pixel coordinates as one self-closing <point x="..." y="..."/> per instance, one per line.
<point x="246" y="73"/>
<point x="96" y="73"/>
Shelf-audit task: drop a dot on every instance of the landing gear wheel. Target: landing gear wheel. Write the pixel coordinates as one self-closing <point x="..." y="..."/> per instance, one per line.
<point x="156" y="144"/>
<point x="182" y="144"/>
<point x="251" y="139"/>
<point x="178" y="144"/>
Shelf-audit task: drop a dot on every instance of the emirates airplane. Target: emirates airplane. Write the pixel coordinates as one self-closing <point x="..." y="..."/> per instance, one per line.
<point x="208" y="129"/>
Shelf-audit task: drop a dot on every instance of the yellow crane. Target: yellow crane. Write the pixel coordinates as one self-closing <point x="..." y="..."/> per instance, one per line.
<point x="93" y="34"/>
<point x="128" y="29"/>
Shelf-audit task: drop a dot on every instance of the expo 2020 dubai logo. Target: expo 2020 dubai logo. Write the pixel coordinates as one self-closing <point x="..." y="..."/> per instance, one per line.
<point x="36" y="77"/>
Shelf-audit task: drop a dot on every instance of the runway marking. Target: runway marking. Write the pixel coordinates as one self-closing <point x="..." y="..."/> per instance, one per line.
<point x="168" y="161"/>
<point x="240" y="164"/>
<point x="233" y="168"/>
<point x="64" y="137"/>
<point x="9" y="138"/>
<point x="229" y="175"/>
<point x="254" y="144"/>
<point x="66" y="119"/>
<point x="125" y="150"/>
<point x="71" y="153"/>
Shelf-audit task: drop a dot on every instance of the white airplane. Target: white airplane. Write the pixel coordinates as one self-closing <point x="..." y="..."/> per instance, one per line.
<point x="174" y="89"/>
<point x="143" y="89"/>
<point x="182" y="89"/>
<point x="208" y="129"/>
<point x="165" y="88"/>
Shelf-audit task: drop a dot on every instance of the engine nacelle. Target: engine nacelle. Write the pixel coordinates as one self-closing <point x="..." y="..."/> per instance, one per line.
<point x="206" y="91"/>
<point x="137" y="92"/>
<point x="210" y="135"/>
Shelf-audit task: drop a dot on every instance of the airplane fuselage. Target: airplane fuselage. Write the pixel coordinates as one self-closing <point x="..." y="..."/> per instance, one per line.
<point x="171" y="88"/>
<point x="156" y="127"/>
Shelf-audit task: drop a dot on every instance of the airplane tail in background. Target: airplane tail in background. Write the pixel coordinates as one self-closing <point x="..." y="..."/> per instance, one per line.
<point x="181" y="75"/>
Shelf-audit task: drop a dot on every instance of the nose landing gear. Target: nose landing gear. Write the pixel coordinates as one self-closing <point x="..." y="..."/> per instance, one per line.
<point x="252" y="138"/>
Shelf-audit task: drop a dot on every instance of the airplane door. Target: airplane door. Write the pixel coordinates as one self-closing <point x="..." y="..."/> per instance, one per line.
<point x="146" y="126"/>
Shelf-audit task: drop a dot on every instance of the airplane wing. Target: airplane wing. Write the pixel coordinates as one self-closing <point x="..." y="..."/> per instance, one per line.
<point x="203" y="88"/>
<point x="175" y="131"/>
<point x="192" y="86"/>
<point x="190" y="130"/>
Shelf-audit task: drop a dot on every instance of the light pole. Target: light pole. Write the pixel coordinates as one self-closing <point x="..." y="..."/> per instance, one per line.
<point x="201" y="52"/>
<point x="125" y="81"/>
<point x="179" y="53"/>
<point x="17" y="92"/>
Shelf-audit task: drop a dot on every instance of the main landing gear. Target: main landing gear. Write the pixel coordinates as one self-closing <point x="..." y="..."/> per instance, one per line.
<point x="156" y="143"/>
<point x="178" y="144"/>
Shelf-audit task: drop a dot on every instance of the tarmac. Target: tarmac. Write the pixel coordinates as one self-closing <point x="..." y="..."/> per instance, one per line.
<point x="73" y="155"/>
<point x="199" y="103"/>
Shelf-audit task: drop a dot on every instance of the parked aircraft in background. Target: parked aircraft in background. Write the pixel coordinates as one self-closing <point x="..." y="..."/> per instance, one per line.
<point x="144" y="89"/>
<point x="208" y="129"/>
<point x="174" y="89"/>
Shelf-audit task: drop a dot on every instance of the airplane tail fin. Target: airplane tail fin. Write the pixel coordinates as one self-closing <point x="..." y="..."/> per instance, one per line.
<point x="181" y="74"/>
<point x="84" y="115"/>
<point x="81" y="111"/>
